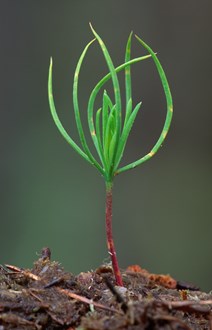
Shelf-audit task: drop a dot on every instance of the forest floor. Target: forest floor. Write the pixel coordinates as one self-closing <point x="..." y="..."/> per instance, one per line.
<point x="47" y="297"/>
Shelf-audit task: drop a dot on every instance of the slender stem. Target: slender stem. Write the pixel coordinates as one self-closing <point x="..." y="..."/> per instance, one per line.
<point x="110" y="243"/>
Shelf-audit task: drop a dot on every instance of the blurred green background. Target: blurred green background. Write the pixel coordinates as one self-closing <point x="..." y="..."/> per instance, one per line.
<point x="52" y="197"/>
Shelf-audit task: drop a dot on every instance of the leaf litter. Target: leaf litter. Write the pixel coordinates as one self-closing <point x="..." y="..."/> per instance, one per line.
<point x="47" y="297"/>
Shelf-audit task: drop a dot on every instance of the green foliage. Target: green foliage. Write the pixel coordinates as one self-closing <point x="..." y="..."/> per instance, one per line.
<point x="108" y="130"/>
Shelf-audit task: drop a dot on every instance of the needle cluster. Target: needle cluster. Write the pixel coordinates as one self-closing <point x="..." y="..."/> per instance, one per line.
<point x="109" y="128"/>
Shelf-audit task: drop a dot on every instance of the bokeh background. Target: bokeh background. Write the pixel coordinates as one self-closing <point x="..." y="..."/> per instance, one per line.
<point x="52" y="197"/>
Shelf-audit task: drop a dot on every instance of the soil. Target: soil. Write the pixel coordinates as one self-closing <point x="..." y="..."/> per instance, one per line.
<point x="47" y="297"/>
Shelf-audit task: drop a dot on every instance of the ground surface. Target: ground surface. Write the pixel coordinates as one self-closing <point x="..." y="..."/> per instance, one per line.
<point x="47" y="297"/>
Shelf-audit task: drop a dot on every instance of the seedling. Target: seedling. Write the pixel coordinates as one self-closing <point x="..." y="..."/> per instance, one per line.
<point x="108" y="130"/>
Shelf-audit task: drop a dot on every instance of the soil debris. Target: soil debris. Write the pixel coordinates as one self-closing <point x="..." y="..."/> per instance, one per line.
<point x="47" y="297"/>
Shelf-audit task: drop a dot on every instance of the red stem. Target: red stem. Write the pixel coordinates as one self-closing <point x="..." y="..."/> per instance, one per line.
<point x="110" y="243"/>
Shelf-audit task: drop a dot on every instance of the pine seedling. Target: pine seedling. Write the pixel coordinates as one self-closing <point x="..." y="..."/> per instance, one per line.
<point x="109" y="127"/>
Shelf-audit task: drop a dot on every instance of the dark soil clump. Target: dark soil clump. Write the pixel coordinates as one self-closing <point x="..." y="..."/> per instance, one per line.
<point x="47" y="297"/>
